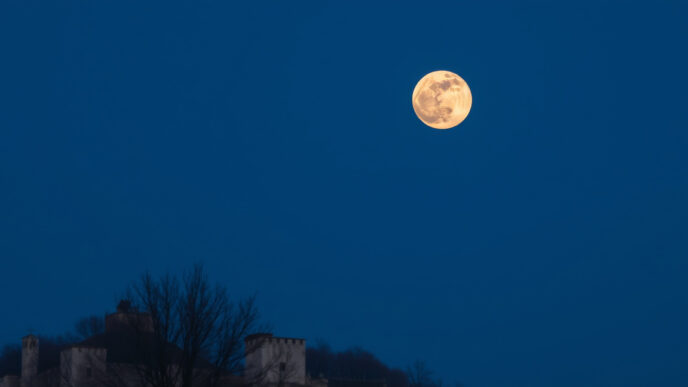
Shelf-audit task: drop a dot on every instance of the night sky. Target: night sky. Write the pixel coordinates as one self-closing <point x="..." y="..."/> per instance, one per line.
<point x="542" y="242"/>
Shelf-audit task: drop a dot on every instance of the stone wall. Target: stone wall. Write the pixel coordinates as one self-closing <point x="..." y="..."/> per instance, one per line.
<point x="29" y="363"/>
<point x="9" y="381"/>
<point x="275" y="360"/>
<point x="83" y="366"/>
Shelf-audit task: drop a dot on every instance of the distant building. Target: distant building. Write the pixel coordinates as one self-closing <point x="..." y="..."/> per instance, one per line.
<point x="110" y="359"/>
<point x="275" y="360"/>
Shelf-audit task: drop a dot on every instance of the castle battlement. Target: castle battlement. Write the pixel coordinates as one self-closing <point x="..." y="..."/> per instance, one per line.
<point x="275" y="360"/>
<point x="269" y="338"/>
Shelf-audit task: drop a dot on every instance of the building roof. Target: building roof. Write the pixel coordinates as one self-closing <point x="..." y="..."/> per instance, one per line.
<point x="123" y="347"/>
<point x="263" y="336"/>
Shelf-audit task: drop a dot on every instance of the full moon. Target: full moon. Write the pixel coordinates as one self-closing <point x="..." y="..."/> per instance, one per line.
<point x="442" y="99"/>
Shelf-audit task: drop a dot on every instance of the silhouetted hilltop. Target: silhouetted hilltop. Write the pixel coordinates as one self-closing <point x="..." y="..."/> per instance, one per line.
<point x="352" y="367"/>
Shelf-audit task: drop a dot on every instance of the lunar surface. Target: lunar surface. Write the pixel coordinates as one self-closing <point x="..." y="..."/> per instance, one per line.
<point x="442" y="99"/>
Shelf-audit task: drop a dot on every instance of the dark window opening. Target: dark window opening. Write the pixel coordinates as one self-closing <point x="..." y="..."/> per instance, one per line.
<point x="89" y="372"/>
<point x="283" y="367"/>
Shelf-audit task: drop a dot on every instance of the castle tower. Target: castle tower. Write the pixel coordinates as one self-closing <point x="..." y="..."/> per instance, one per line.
<point x="275" y="360"/>
<point x="29" y="362"/>
<point x="128" y="319"/>
<point x="82" y="366"/>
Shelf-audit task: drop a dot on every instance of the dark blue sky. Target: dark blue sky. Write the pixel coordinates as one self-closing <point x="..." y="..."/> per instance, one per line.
<point x="542" y="242"/>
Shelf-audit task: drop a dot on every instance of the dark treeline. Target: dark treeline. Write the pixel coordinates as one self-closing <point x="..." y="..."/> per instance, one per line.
<point x="357" y="364"/>
<point x="352" y="364"/>
<point x="10" y="360"/>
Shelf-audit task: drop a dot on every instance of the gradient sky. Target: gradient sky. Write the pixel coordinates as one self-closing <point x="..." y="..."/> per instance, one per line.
<point x="542" y="242"/>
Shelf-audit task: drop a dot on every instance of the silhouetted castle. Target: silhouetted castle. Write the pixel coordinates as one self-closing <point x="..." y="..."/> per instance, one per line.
<point x="110" y="358"/>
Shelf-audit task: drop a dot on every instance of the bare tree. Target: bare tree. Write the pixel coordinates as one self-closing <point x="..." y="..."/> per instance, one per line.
<point x="156" y="337"/>
<point x="89" y="326"/>
<point x="419" y="375"/>
<point x="194" y="333"/>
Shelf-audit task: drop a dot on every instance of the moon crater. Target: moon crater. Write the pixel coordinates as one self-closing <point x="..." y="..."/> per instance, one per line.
<point x="442" y="99"/>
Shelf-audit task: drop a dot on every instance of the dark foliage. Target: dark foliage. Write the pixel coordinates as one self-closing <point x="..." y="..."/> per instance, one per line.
<point x="351" y="365"/>
<point x="89" y="326"/>
<point x="10" y="360"/>
<point x="419" y="375"/>
<point x="50" y="348"/>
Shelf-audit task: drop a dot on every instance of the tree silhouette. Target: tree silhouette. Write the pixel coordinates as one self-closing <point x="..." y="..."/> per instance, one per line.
<point x="89" y="326"/>
<point x="197" y="334"/>
<point x="419" y="375"/>
<point x="351" y="365"/>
